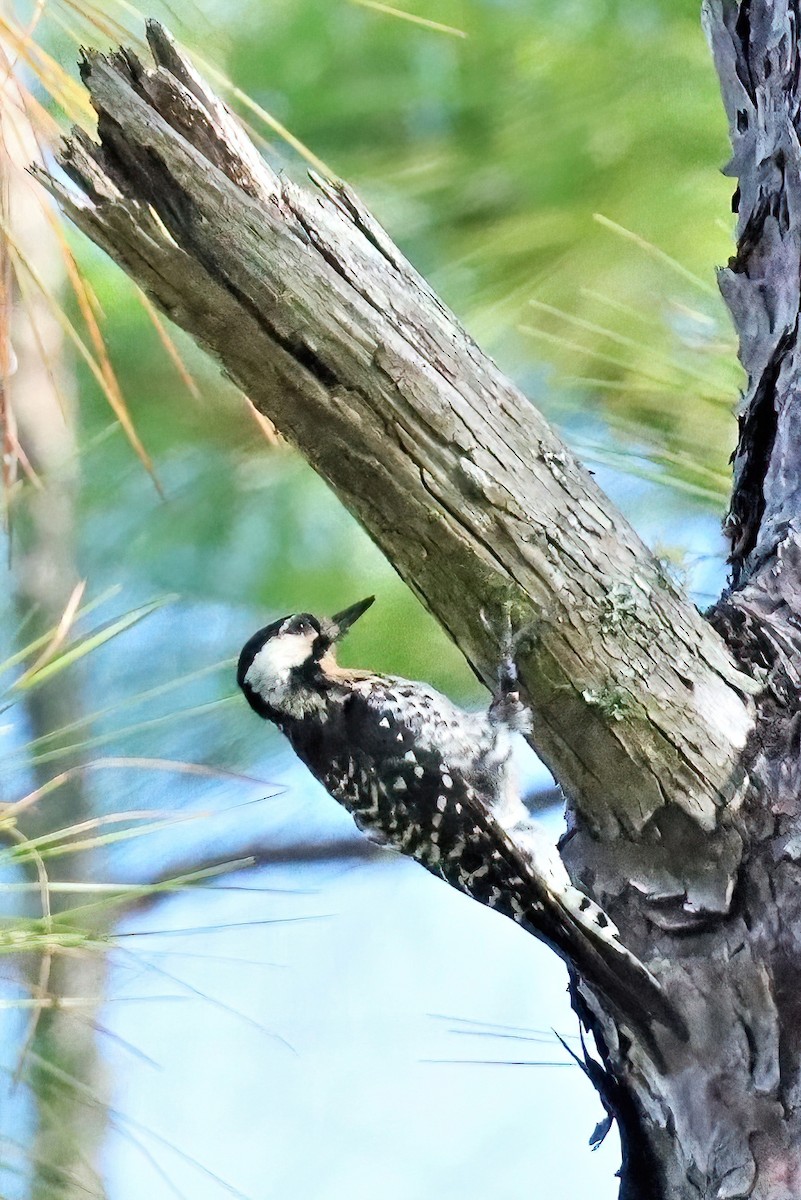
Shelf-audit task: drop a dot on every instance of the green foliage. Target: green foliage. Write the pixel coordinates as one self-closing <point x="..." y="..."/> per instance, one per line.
<point x="487" y="158"/>
<point x="513" y="166"/>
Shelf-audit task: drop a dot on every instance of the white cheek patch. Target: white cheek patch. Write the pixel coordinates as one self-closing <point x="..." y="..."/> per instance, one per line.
<point x="270" y="668"/>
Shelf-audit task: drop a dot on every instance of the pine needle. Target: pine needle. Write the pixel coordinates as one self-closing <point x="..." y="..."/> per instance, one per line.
<point x="59" y="636"/>
<point x="109" y="391"/>
<point x="657" y="253"/>
<point x="168" y="344"/>
<point x="92" y="642"/>
<point x="437" y="26"/>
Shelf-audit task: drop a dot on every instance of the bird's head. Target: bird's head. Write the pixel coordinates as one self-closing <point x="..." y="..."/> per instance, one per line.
<point x="286" y="657"/>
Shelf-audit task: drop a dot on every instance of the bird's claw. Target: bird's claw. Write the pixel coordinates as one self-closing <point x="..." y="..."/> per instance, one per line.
<point x="507" y="706"/>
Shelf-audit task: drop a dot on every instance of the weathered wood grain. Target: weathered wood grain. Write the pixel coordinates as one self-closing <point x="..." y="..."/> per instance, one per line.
<point x="682" y="772"/>
<point x="475" y="500"/>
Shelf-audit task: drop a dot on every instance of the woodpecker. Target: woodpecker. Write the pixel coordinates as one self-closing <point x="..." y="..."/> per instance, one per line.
<point x="435" y="782"/>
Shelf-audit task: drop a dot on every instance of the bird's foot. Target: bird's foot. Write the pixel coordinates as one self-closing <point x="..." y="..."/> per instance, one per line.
<point x="507" y="707"/>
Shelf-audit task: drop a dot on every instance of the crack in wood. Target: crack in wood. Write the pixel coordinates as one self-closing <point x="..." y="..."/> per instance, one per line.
<point x="323" y="323"/>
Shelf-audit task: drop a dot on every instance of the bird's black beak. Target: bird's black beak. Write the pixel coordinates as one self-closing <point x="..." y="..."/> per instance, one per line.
<point x="342" y="621"/>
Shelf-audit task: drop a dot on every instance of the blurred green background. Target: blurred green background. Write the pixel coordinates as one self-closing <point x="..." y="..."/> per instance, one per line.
<point x="554" y="172"/>
<point x="487" y="158"/>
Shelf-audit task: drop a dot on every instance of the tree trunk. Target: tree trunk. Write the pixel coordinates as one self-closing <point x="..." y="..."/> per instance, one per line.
<point x="67" y="1137"/>
<point x="675" y="739"/>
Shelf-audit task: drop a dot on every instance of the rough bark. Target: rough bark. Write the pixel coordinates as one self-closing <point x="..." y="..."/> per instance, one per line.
<point x="472" y="496"/>
<point x="682" y="773"/>
<point x="726" y="1121"/>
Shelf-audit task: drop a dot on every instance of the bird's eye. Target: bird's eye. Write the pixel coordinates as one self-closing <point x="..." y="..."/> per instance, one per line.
<point x="302" y="627"/>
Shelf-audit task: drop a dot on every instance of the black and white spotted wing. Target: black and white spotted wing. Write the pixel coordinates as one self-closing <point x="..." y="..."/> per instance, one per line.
<point x="420" y="775"/>
<point x="389" y="753"/>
